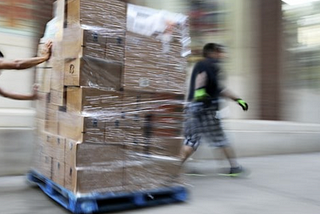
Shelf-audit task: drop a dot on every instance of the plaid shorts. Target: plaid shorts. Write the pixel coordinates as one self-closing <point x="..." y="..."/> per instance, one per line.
<point x="201" y="122"/>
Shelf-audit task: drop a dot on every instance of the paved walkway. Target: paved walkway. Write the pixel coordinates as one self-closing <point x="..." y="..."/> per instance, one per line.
<point x="286" y="184"/>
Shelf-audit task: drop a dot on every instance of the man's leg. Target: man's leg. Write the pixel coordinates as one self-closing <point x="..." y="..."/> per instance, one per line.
<point x="219" y="139"/>
<point x="230" y="155"/>
<point x="186" y="152"/>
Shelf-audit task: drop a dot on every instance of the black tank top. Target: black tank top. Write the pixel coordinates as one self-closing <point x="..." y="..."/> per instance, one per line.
<point x="212" y="69"/>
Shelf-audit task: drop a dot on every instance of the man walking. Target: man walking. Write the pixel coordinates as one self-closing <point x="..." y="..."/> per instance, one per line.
<point x="201" y="111"/>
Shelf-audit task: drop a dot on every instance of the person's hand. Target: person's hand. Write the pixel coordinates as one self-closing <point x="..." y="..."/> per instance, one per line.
<point x="35" y="95"/>
<point x="243" y="104"/>
<point x="47" y="50"/>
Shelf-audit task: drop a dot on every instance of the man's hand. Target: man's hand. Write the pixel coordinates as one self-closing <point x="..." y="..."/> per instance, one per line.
<point x="47" y="50"/>
<point x="243" y="104"/>
<point x="35" y="92"/>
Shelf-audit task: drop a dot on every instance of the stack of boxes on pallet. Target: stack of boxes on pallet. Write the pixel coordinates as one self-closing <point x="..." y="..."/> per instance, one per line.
<point x="110" y="118"/>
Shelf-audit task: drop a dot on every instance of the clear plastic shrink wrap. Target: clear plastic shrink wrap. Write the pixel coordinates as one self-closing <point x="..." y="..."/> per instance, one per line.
<point x="110" y="114"/>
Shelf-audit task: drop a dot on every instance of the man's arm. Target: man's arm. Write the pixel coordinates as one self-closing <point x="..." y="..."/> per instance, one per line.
<point x="19" y="64"/>
<point x="228" y="94"/>
<point x="14" y="96"/>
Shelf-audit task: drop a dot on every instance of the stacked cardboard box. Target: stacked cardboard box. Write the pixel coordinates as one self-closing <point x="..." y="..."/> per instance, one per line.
<point x="110" y="119"/>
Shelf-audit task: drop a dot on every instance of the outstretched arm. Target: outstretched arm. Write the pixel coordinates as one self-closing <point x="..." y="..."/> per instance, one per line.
<point x="15" y="96"/>
<point x="27" y="63"/>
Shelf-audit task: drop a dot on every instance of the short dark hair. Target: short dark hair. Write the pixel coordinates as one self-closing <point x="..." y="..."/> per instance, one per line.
<point x="1" y="55"/>
<point x="210" y="48"/>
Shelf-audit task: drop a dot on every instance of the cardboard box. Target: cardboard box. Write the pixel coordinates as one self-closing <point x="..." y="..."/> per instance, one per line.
<point x="156" y="130"/>
<point x="46" y="166"/>
<point x="98" y="13"/>
<point x="91" y="154"/>
<point x="132" y="134"/>
<point x="41" y="105"/>
<point x="139" y="129"/>
<point x="111" y="14"/>
<point x="123" y="128"/>
<point x="93" y="167"/>
<point x="87" y="99"/>
<point x="149" y="68"/>
<point x="43" y="79"/>
<point x="58" y="170"/>
<point x="52" y="125"/>
<point x="71" y="12"/>
<point x="160" y="104"/>
<point x="94" y="42"/>
<point x="55" y="146"/>
<point x="80" y="128"/>
<point x="167" y="146"/>
<point x="40" y="128"/>
<point x="70" y="126"/>
<point x="145" y="96"/>
<point x="153" y="79"/>
<point x="72" y="42"/>
<point x="94" y="179"/>
<point x="36" y="155"/>
<point x="135" y="148"/>
<point x="41" y="161"/>
<point x="57" y="97"/>
<point x="151" y="171"/>
<point x="57" y="74"/>
<point x="153" y="49"/>
<point x="158" y="110"/>
<point x="115" y="47"/>
<point x="89" y="71"/>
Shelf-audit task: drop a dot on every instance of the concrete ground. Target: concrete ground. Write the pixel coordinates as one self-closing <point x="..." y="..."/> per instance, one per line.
<point x="277" y="184"/>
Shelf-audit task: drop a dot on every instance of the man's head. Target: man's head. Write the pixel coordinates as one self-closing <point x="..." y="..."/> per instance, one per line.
<point x="213" y="50"/>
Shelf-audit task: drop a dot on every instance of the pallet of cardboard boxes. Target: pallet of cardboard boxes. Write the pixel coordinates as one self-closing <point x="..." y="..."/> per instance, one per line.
<point x="110" y="114"/>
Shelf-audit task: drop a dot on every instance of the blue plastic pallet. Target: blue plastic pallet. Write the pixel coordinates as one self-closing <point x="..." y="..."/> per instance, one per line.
<point x="107" y="202"/>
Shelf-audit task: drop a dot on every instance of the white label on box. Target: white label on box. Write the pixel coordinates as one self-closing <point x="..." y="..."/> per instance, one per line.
<point x="144" y="82"/>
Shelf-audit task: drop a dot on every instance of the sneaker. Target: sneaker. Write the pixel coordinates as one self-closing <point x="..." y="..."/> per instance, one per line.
<point x="234" y="171"/>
